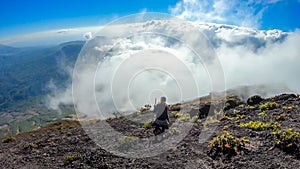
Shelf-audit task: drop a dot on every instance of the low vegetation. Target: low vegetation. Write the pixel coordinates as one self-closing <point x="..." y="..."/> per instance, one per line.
<point x="127" y="139"/>
<point x="174" y="131"/>
<point x="8" y="139"/>
<point x="185" y="117"/>
<point x="287" y="140"/>
<point x="72" y="157"/>
<point x="147" y="124"/>
<point x="260" y="126"/>
<point x="29" y="145"/>
<point x="236" y="117"/>
<point x="287" y="107"/>
<point x="281" y="117"/>
<point x="63" y="124"/>
<point x="176" y="113"/>
<point x="227" y="144"/>
<point x="268" y="106"/>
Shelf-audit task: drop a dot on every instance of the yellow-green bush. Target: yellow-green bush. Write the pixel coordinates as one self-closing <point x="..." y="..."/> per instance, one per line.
<point x="237" y="117"/>
<point x="148" y="124"/>
<point x="185" y="117"/>
<point x="263" y="113"/>
<point x="280" y="117"/>
<point x="195" y="119"/>
<point x="8" y="139"/>
<point x="72" y="157"/>
<point x="224" y="117"/>
<point x="127" y="139"/>
<point x="29" y="145"/>
<point x="174" y="131"/>
<point x="260" y="126"/>
<point x="287" y="107"/>
<point x="227" y="143"/>
<point x="176" y="114"/>
<point x="250" y="107"/>
<point x="287" y="140"/>
<point x="268" y="106"/>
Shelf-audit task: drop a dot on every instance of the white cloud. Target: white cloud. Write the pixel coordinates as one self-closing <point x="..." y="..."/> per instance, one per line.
<point x="276" y="63"/>
<point x="248" y="56"/>
<point x="241" y="13"/>
<point x="88" y="35"/>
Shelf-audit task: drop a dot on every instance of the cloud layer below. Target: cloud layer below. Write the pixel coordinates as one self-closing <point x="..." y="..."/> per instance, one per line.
<point x="248" y="57"/>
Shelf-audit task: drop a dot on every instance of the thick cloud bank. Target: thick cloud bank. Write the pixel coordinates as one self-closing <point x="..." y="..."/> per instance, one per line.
<point x="248" y="57"/>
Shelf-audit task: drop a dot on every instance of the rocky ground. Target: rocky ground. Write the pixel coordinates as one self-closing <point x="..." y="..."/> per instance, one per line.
<point x="65" y="144"/>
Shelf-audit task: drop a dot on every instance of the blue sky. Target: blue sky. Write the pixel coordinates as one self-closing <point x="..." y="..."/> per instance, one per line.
<point x="19" y="17"/>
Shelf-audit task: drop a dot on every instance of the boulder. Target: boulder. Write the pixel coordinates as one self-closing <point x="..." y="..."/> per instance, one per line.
<point x="256" y="99"/>
<point x="232" y="103"/>
<point x="285" y="97"/>
<point x="194" y="112"/>
<point x="204" y="110"/>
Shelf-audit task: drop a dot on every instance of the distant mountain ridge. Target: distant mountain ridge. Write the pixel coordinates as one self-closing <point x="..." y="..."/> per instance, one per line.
<point x="26" y="71"/>
<point x="25" y="74"/>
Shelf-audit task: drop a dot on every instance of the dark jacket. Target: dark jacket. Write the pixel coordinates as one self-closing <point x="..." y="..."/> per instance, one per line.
<point x="162" y="110"/>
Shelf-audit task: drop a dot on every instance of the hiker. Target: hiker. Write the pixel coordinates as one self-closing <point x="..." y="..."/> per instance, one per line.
<point x="162" y="116"/>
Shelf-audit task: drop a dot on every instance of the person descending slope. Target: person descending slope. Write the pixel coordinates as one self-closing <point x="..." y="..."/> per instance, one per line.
<point x="162" y="116"/>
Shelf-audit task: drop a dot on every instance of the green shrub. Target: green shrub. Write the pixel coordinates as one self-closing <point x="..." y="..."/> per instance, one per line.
<point x="174" y="131"/>
<point x="8" y="139"/>
<point x="29" y="145"/>
<point x="250" y="107"/>
<point x="241" y="106"/>
<point x="147" y="124"/>
<point x="260" y="126"/>
<point x="72" y="157"/>
<point x="287" y="140"/>
<point x="280" y="117"/>
<point x="184" y="117"/>
<point x="224" y="117"/>
<point x="268" y="106"/>
<point x="288" y="107"/>
<point x="181" y="116"/>
<point x="236" y="117"/>
<point x="227" y="143"/>
<point x="195" y="119"/>
<point x="263" y="113"/>
<point x="176" y="114"/>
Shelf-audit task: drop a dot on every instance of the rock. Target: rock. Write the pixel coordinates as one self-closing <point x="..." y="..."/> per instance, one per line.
<point x="232" y="103"/>
<point x="176" y="107"/>
<point x="204" y="110"/>
<point x="285" y="97"/>
<point x="194" y="112"/>
<point x="256" y="99"/>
